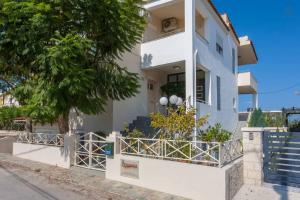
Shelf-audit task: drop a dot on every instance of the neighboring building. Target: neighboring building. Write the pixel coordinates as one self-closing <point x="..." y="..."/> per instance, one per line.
<point x="186" y="42"/>
<point x="8" y="100"/>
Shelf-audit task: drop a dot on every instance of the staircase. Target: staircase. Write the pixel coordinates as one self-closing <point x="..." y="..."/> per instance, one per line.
<point x="142" y="124"/>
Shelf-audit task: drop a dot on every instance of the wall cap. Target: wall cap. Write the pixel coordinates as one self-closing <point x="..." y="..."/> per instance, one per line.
<point x="253" y="129"/>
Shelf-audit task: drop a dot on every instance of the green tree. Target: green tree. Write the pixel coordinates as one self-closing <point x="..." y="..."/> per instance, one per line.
<point x="257" y="119"/>
<point x="63" y="54"/>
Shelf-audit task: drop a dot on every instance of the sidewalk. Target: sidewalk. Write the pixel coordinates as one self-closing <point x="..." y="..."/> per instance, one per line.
<point x="89" y="183"/>
<point x="268" y="192"/>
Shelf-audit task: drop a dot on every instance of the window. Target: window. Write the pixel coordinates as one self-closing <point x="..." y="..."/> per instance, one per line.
<point x="233" y="60"/>
<point x="176" y="84"/>
<point x="200" y="24"/>
<point x="200" y="87"/>
<point x="234" y="104"/>
<point x="219" y="44"/>
<point x="218" y="93"/>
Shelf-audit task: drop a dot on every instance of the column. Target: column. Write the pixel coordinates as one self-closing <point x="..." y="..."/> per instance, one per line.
<point x="253" y="156"/>
<point x="255" y="101"/>
<point x="190" y="70"/>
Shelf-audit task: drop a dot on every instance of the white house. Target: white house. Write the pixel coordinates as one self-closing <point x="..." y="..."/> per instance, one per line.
<point x="186" y="42"/>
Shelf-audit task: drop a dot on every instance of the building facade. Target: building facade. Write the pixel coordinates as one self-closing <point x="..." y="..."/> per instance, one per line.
<point x="189" y="46"/>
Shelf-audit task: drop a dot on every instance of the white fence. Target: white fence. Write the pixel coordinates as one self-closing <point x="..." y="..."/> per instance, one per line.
<point x="197" y="152"/>
<point x="50" y="139"/>
<point x="90" y="151"/>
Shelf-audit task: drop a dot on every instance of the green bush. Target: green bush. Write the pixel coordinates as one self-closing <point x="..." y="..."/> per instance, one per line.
<point x="294" y="126"/>
<point x="214" y="134"/>
<point x="274" y="119"/>
<point x="7" y="117"/>
<point x="257" y="119"/>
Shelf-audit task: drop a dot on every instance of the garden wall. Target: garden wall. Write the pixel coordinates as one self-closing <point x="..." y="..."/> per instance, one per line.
<point x="177" y="178"/>
<point x="52" y="155"/>
<point x="6" y="144"/>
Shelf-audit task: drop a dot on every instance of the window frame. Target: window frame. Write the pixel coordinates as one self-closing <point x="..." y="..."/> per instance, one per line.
<point x="219" y="107"/>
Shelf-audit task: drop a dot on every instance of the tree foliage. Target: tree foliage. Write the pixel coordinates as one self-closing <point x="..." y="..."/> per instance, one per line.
<point x="62" y="53"/>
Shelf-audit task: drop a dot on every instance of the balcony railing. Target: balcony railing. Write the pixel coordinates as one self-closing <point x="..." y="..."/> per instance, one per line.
<point x="162" y="35"/>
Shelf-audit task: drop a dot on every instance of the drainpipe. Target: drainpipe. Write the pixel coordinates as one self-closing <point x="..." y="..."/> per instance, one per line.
<point x="194" y="104"/>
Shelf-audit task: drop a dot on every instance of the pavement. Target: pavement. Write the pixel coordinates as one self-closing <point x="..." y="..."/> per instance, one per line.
<point x="16" y="187"/>
<point x="268" y="192"/>
<point x="22" y="179"/>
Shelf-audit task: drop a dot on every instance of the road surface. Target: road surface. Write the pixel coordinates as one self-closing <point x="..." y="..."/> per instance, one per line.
<point x="15" y="187"/>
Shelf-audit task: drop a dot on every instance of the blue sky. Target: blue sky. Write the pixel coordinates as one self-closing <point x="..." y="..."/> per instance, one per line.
<point x="274" y="27"/>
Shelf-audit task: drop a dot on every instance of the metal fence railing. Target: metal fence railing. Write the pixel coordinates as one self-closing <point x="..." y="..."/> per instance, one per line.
<point x="197" y="152"/>
<point x="50" y="139"/>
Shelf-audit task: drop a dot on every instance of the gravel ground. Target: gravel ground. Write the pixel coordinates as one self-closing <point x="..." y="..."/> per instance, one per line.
<point x="90" y="184"/>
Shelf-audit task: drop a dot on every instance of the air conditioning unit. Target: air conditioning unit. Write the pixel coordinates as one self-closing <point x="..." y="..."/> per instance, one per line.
<point x="169" y="24"/>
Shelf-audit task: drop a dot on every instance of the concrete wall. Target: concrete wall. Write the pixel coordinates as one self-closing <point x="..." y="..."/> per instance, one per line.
<point x="52" y="155"/>
<point x="6" y="144"/>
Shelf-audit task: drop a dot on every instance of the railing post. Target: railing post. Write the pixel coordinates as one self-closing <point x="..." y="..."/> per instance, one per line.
<point x="138" y="150"/>
<point x="90" y="150"/>
<point x="220" y="154"/>
<point x="191" y="150"/>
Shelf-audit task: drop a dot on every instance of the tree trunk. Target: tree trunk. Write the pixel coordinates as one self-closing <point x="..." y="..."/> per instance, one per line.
<point x="63" y="123"/>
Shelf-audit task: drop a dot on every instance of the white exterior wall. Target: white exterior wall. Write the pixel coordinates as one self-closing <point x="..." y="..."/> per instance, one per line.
<point x="181" y="47"/>
<point x="220" y="66"/>
<point x="126" y="111"/>
<point x="92" y="123"/>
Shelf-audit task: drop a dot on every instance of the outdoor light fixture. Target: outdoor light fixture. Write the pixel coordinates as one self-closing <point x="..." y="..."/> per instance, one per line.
<point x="173" y="99"/>
<point x="179" y="101"/>
<point x="163" y="101"/>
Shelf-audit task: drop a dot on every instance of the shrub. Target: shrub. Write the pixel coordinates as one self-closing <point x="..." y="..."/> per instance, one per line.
<point x="274" y="120"/>
<point x="294" y="126"/>
<point x="179" y="123"/>
<point x="214" y="134"/>
<point x="257" y="119"/>
<point x="7" y="117"/>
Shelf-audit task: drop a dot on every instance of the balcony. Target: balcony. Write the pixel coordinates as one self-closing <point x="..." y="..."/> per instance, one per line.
<point x="247" y="83"/>
<point x="247" y="53"/>
<point x="163" y="51"/>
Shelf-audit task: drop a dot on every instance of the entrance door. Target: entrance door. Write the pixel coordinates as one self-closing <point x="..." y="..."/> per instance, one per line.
<point x="152" y="96"/>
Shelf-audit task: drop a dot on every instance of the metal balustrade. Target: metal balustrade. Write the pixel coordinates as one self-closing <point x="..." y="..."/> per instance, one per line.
<point x="49" y="139"/>
<point x="197" y="152"/>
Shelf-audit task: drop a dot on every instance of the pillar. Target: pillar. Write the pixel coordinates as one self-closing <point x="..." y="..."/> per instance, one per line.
<point x="253" y="156"/>
<point x="190" y="68"/>
<point x="255" y="101"/>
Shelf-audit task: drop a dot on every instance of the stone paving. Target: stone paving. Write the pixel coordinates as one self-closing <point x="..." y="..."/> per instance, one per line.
<point x="89" y="183"/>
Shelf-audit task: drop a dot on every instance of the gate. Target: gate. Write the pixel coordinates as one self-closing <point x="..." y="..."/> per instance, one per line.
<point x="90" y="151"/>
<point x="282" y="158"/>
